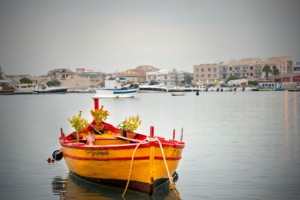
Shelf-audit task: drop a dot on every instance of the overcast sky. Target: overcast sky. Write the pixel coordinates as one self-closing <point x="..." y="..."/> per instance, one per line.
<point x="108" y="36"/>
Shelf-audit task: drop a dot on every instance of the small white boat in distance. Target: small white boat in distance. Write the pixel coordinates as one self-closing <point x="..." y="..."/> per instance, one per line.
<point x="269" y="86"/>
<point x="44" y="89"/>
<point x="178" y="93"/>
<point x="114" y="88"/>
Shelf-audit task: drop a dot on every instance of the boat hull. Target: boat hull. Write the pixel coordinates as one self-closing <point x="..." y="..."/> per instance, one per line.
<point x="152" y="90"/>
<point x="6" y="92"/>
<point x="6" y="87"/>
<point x="106" y="93"/>
<point x="177" y="93"/>
<point x="52" y="91"/>
<point x="111" y="164"/>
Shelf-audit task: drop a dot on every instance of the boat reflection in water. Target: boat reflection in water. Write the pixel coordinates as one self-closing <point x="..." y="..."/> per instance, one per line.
<point x="72" y="187"/>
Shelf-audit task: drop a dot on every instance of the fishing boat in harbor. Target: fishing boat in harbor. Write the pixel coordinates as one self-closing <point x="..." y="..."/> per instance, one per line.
<point x="24" y="88"/>
<point x="116" y="88"/>
<point x="269" y="86"/>
<point x="105" y="155"/>
<point x="178" y="93"/>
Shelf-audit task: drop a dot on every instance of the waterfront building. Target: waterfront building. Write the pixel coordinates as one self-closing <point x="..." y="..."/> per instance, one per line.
<point x="250" y="68"/>
<point x="206" y="73"/>
<point x="60" y="73"/>
<point x="290" y="80"/>
<point x="135" y="75"/>
<point x="96" y="78"/>
<point x="297" y="67"/>
<point x="81" y="79"/>
<point x="170" y="78"/>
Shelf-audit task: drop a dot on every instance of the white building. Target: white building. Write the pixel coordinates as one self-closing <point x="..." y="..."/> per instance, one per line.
<point x="170" y="78"/>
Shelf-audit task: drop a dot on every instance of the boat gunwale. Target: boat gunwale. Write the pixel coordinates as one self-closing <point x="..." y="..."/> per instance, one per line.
<point x="165" y="143"/>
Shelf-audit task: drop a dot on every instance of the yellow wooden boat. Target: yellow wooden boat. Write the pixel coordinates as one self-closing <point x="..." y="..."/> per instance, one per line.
<point x="141" y="164"/>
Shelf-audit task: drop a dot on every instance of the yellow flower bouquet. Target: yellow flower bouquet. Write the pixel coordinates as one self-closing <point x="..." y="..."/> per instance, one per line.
<point x="130" y="124"/>
<point x="99" y="115"/>
<point x="79" y="124"/>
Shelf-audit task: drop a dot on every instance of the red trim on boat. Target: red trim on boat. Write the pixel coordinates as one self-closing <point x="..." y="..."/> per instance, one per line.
<point x="123" y="146"/>
<point x="121" y="158"/>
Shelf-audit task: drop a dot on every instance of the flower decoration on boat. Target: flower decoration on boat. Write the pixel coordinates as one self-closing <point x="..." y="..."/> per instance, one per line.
<point x="79" y="123"/>
<point x="99" y="115"/>
<point x="130" y="124"/>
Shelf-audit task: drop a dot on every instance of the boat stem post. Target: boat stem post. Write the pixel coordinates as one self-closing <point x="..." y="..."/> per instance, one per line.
<point x="96" y="103"/>
<point x="62" y="135"/>
<point x="152" y="131"/>
<point x="173" y="134"/>
<point x="181" y="136"/>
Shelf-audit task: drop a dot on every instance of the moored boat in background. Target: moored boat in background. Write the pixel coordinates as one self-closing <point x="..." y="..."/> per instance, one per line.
<point x="116" y="88"/>
<point x="153" y="86"/>
<point x="25" y="88"/>
<point x="6" y="87"/>
<point x="269" y="86"/>
<point x="44" y="89"/>
<point x="178" y="93"/>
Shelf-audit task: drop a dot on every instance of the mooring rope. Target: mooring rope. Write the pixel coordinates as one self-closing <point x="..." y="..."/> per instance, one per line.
<point x="172" y="184"/>
<point x="130" y="169"/>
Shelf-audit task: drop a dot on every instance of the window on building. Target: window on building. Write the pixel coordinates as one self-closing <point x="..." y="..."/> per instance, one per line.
<point x="202" y="70"/>
<point x="209" y="69"/>
<point x="215" y="69"/>
<point x="230" y="68"/>
<point x="209" y="75"/>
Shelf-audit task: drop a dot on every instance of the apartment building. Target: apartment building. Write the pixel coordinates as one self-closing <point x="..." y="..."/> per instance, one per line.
<point x="297" y="67"/>
<point x="135" y="75"/>
<point x="249" y="68"/>
<point x="170" y="78"/>
<point x="206" y="73"/>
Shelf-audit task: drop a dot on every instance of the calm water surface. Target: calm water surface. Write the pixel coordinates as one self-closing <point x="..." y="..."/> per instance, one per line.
<point x="242" y="145"/>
